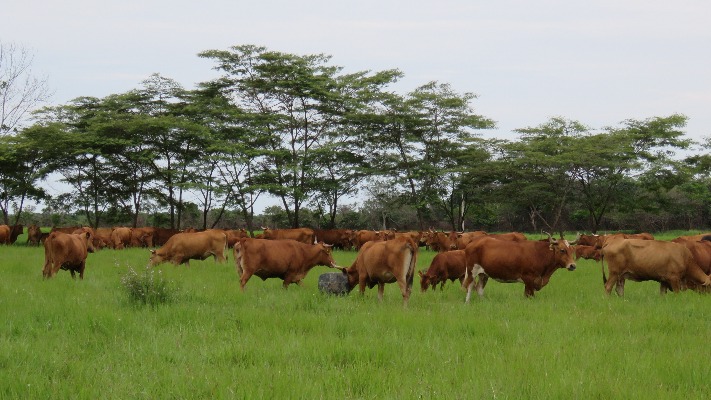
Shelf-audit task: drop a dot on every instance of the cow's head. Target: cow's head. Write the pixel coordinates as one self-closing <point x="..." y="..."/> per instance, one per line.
<point x="156" y="258"/>
<point x="424" y="281"/>
<point x="564" y="252"/>
<point x="88" y="237"/>
<point x="325" y="255"/>
<point x="351" y="273"/>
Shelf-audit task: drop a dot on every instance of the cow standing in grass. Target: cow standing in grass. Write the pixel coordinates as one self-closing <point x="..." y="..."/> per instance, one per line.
<point x="378" y="263"/>
<point x="288" y="260"/>
<point x="183" y="247"/>
<point x="66" y="251"/>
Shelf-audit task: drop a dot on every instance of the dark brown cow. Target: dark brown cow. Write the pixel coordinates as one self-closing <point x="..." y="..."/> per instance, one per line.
<point x="66" y="251"/>
<point x="142" y="237"/>
<point x="338" y="238"/>
<point x="286" y="259"/>
<point x="378" y="263"/>
<point x="303" y="235"/>
<point x="183" y="247"/>
<point x="587" y="252"/>
<point x="530" y="262"/>
<point x="9" y="234"/>
<point x="161" y="235"/>
<point x="120" y="238"/>
<point x="670" y="264"/>
<point x="448" y="265"/>
<point x="701" y="251"/>
<point x="34" y="235"/>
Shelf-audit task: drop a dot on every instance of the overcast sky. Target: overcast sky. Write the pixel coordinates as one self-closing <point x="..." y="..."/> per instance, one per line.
<point x="598" y="62"/>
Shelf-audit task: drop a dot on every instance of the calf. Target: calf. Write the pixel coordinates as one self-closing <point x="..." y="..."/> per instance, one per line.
<point x="448" y="265"/>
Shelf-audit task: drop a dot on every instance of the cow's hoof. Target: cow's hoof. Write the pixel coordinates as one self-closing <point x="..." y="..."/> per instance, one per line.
<point x="333" y="283"/>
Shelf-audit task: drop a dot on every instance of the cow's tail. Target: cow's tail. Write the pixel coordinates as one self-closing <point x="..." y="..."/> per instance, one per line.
<point x="602" y="263"/>
<point x="412" y="250"/>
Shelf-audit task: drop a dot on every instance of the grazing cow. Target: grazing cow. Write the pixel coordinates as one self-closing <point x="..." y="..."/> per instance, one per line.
<point x="286" y="259"/>
<point x="530" y="262"/>
<point x="186" y="246"/>
<point x="303" y="235"/>
<point x="378" y="263"/>
<point x="120" y="238"/>
<point x="587" y="252"/>
<point x="9" y="233"/>
<point x="96" y="242"/>
<point x="34" y="235"/>
<point x="701" y="251"/>
<point x="670" y="264"/>
<point x="66" y="251"/>
<point x="338" y="238"/>
<point x="103" y="236"/>
<point x="448" y="265"/>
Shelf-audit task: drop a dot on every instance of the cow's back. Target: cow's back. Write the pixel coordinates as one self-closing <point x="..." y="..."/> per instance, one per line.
<point x="647" y="259"/>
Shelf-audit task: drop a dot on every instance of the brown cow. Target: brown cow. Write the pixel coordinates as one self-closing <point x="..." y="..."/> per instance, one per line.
<point x="338" y="238"/>
<point x="587" y="252"/>
<point x="66" y="251"/>
<point x="34" y="235"/>
<point x="378" y="263"/>
<point x="448" y="265"/>
<point x="186" y="246"/>
<point x="602" y="239"/>
<point x="441" y="241"/>
<point x="670" y="264"/>
<point x="96" y="242"/>
<point x="161" y="235"/>
<point x="303" y="235"/>
<point x="120" y="238"/>
<point x="464" y="238"/>
<point x="530" y="262"/>
<point x="142" y="237"/>
<point x="364" y="236"/>
<point x="9" y="234"/>
<point x="234" y="235"/>
<point x="693" y="238"/>
<point x="285" y="258"/>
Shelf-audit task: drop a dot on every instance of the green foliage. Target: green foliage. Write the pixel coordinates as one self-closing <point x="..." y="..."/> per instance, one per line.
<point x="149" y="288"/>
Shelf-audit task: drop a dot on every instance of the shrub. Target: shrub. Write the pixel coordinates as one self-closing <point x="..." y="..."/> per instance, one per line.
<point x="149" y="288"/>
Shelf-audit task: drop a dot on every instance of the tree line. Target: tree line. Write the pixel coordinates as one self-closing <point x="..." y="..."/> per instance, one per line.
<point x="299" y="129"/>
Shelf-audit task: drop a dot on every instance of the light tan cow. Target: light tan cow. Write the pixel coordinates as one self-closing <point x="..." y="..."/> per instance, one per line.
<point x="183" y="247"/>
<point x="66" y="251"/>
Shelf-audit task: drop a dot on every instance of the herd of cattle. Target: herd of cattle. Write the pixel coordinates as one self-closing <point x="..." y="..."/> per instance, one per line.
<point x="389" y="257"/>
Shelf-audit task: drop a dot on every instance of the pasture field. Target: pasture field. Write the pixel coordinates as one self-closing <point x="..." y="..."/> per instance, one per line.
<point x="84" y="340"/>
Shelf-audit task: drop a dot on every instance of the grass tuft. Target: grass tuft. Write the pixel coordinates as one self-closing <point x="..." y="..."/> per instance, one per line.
<point x="149" y="288"/>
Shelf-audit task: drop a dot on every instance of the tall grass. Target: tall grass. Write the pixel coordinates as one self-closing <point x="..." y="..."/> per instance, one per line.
<point x="84" y="339"/>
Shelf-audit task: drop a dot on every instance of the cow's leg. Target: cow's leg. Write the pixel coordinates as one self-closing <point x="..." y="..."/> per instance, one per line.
<point x="529" y="288"/>
<point x="244" y="278"/>
<point x="663" y="287"/>
<point x="620" y="289"/>
<point x="71" y="270"/>
<point x="381" y="290"/>
<point x="611" y="282"/>
<point x="81" y="270"/>
<point x="405" y="293"/>
<point x="481" y="283"/>
<point x="361" y="284"/>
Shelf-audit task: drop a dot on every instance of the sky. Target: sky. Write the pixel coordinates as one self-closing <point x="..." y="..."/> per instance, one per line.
<point x="597" y="62"/>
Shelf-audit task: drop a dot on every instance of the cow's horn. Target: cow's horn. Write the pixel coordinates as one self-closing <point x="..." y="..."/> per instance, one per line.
<point x="337" y="267"/>
<point x="550" y="237"/>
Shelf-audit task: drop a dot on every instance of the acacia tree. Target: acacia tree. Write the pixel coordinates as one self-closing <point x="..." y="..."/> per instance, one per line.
<point x="418" y="139"/>
<point x="294" y="101"/>
<point x="22" y="163"/>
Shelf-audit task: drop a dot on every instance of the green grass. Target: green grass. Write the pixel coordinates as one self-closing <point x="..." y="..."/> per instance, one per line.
<point x="86" y="339"/>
